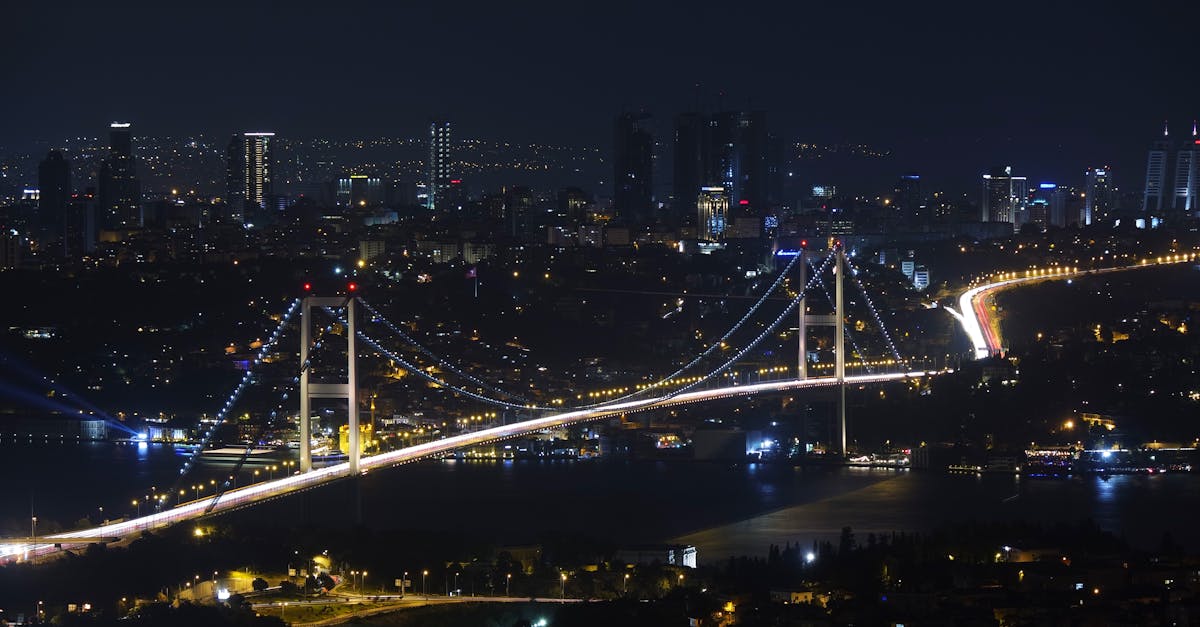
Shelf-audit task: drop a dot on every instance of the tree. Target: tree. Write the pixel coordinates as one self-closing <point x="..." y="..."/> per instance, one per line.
<point x="846" y="542"/>
<point x="259" y="584"/>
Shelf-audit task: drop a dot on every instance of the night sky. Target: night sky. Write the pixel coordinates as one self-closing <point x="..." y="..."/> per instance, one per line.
<point x="950" y="88"/>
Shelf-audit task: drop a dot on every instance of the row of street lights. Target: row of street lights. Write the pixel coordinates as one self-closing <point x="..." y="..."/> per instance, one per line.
<point x="162" y="498"/>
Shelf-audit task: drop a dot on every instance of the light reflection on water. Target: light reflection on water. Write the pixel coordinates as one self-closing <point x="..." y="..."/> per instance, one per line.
<point x="722" y="508"/>
<point x="1134" y="506"/>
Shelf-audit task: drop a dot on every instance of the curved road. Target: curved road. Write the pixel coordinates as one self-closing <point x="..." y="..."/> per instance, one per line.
<point x="982" y="329"/>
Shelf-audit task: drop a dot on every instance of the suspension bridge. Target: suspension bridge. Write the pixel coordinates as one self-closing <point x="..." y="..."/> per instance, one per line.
<point x="671" y="390"/>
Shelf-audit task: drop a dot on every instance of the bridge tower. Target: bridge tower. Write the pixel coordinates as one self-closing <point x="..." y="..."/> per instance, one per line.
<point x="309" y="390"/>
<point x="837" y="320"/>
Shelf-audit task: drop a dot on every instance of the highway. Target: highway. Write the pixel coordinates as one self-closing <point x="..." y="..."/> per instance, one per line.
<point x="259" y="492"/>
<point x="981" y="328"/>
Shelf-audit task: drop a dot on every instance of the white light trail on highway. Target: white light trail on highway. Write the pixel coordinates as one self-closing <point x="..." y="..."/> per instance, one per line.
<point x="254" y="493"/>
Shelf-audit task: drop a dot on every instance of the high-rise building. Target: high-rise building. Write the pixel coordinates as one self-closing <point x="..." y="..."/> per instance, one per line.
<point x="1047" y="206"/>
<point x="439" y="174"/>
<point x="120" y="192"/>
<point x="1187" y="176"/>
<point x="751" y="167"/>
<point x="1156" y="175"/>
<point x="249" y="175"/>
<point x="712" y="213"/>
<point x="688" y="163"/>
<point x="633" y="167"/>
<point x="735" y="158"/>
<point x="573" y="205"/>
<point x="360" y="190"/>
<point x="79" y="224"/>
<point x="518" y="210"/>
<point x="908" y="199"/>
<point x="1004" y="196"/>
<point x="54" y="184"/>
<point x="1098" y="196"/>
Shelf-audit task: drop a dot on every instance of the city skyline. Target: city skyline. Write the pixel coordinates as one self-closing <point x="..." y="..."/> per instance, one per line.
<point x="902" y="78"/>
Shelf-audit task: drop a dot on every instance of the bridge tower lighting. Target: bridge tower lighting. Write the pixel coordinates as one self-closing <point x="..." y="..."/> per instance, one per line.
<point x="310" y="390"/>
<point x="837" y="320"/>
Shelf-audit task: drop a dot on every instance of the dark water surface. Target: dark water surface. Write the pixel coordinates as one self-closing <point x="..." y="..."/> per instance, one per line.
<point x="724" y="509"/>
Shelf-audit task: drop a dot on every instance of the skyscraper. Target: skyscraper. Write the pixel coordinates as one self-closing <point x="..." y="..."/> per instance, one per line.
<point x="633" y="167"/>
<point x="54" y="183"/>
<point x="439" y="174"/>
<point x="1156" y="175"/>
<point x="1187" y="176"/>
<point x="1098" y="196"/>
<point x="908" y="199"/>
<point x="1048" y="206"/>
<point x="712" y="207"/>
<point x="1004" y="196"/>
<point x="249" y="175"/>
<point x="120" y="192"/>
<point x="688" y="164"/>
<point x="735" y="158"/>
<point x="751" y="168"/>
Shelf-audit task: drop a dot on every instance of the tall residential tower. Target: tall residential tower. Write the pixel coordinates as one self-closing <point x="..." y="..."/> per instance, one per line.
<point x="249" y="174"/>
<point x="633" y="167"/>
<point x="120" y="192"/>
<point x="439" y="175"/>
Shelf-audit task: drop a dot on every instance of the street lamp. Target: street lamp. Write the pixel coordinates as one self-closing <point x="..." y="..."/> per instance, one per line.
<point x="362" y="582"/>
<point x="424" y="588"/>
<point x="625" y="585"/>
<point x="456" y="581"/>
<point x="403" y="584"/>
<point x="353" y="581"/>
<point x="507" y="581"/>
<point x="681" y="579"/>
<point x="138" y="505"/>
<point x="563" y="592"/>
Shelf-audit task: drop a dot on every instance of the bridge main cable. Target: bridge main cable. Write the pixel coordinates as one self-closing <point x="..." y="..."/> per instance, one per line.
<point x="442" y="362"/>
<point x="247" y="379"/>
<point x="761" y="336"/>
<point x="712" y="347"/>
<point x="428" y="377"/>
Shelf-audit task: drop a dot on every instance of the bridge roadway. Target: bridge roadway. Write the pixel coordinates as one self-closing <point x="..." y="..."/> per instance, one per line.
<point x="981" y="329"/>
<point x="259" y="492"/>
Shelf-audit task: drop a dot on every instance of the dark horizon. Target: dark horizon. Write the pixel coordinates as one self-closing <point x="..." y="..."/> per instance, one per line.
<point x="948" y="92"/>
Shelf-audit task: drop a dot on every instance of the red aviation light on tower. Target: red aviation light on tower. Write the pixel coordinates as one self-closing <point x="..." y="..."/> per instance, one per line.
<point x="352" y="287"/>
<point x="803" y="243"/>
<point x="307" y="286"/>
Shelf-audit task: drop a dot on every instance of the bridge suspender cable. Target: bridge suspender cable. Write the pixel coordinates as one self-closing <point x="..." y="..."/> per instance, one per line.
<point x="849" y="333"/>
<point x="247" y="379"/>
<point x="716" y="344"/>
<point x="428" y="377"/>
<point x="227" y="484"/>
<point x="761" y="336"/>
<point x="442" y="362"/>
<point x="874" y="312"/>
